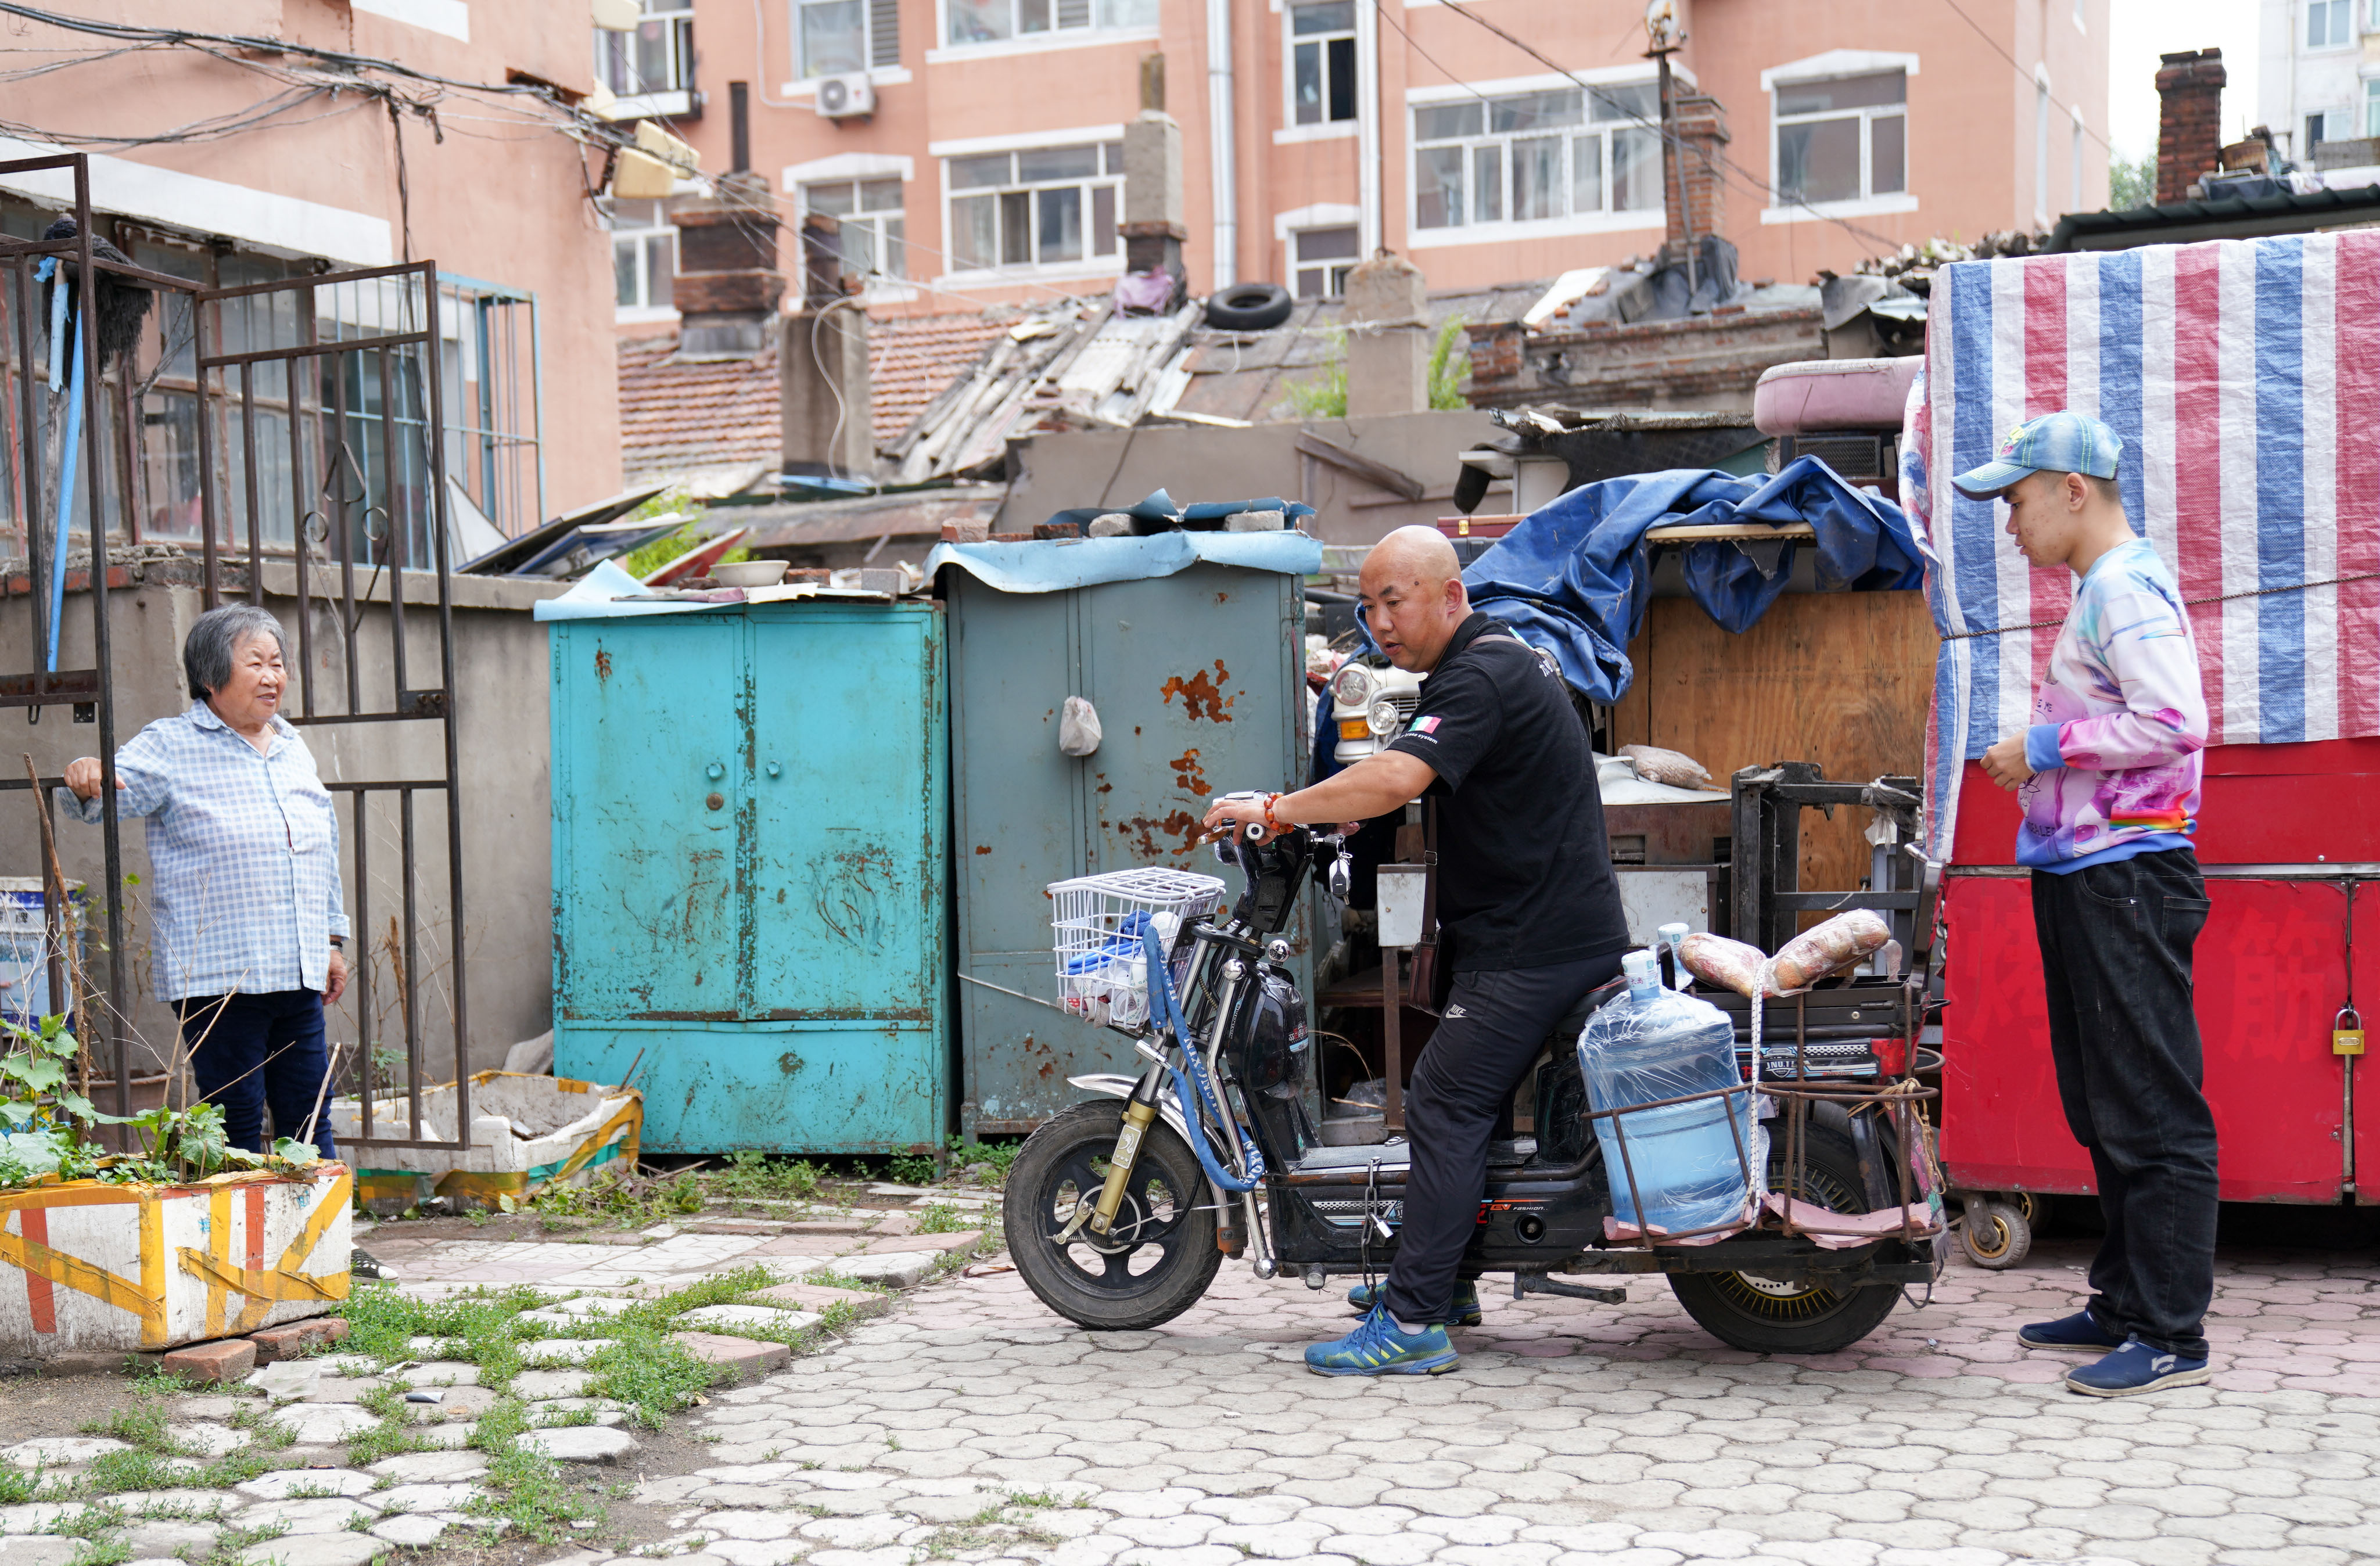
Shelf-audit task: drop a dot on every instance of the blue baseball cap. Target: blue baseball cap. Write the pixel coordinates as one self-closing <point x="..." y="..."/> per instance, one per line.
<point x="2055" y="443"/>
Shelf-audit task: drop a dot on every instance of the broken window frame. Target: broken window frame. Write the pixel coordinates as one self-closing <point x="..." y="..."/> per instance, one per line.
<point x="1783" y="194"/>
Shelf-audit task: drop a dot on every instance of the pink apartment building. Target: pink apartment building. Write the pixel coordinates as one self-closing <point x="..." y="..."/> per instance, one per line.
<point x="972" y="147"/>
<point x="436" y="129"/>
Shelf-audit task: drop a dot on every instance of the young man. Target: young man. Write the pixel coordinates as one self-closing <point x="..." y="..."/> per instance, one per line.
<point x="1528" y="911"/>
<point x="2108" y="774"/>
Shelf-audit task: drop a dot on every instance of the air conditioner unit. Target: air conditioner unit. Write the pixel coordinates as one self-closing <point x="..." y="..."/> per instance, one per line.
<point x="842" y="97"/>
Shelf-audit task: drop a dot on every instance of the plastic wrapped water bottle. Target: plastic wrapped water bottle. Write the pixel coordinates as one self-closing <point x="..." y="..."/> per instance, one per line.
<point x="1653" y="1044"/>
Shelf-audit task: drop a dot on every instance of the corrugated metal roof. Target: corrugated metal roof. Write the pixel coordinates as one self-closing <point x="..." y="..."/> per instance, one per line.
<point x="2183" y="223"/>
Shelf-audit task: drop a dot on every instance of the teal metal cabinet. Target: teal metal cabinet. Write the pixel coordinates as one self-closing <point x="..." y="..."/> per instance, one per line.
<point x="1199" y="683"/>
<point x="750" y="873"/>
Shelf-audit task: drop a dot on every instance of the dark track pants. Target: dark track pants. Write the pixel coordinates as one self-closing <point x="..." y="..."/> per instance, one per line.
<point x="2116" y="947"/>
<point x="1488" y="1034"/>
<point x="248" y="1049"/>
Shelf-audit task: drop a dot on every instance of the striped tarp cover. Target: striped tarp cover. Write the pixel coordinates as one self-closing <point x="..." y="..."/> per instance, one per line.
<point x="2245" y="377"/>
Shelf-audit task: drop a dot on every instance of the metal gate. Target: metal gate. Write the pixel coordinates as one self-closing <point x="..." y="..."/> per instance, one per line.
<point x="321" y="476"/>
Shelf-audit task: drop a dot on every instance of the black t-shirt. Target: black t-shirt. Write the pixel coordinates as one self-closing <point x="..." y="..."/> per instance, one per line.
<point x="1525" y="872"/>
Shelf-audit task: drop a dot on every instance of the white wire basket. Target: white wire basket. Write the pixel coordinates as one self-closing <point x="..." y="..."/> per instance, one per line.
<point x="1102" y="968"/>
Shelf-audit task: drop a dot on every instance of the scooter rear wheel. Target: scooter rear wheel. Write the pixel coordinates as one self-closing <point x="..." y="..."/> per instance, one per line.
<point x="1760" y="1315"/>
<point x="1160" y="1255"/>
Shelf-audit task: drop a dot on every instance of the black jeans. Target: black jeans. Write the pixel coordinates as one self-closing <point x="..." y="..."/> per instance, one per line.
<point x="1489" y="1033"/>
<point x="246" y="1050"/>
<point x="2116" y="943"/>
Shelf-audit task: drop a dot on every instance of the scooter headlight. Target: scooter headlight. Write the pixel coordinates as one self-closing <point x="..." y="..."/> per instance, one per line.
<point x="1384" y="718"/>
<point x="1353" y="686"/>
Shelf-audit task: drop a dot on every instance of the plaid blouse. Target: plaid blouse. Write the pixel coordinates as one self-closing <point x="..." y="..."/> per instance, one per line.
<point x="244" y="848"/>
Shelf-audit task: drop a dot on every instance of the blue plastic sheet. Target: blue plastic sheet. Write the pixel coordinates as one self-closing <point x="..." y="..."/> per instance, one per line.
<point x="1571" y="578"/>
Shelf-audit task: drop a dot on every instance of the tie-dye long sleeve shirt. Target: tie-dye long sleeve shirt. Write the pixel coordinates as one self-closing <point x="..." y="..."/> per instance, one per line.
<point x="2119" y="723"/>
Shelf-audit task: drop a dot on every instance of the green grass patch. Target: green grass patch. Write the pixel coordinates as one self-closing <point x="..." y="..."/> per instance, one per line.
<point x="485" y="1327"/>
<point x="388" y="1437"/>
<point x="231" y="1541"/>
<point x="944" y="1218"/>
<point x="528" y="1490"/>
<point x="754" y="1175"/>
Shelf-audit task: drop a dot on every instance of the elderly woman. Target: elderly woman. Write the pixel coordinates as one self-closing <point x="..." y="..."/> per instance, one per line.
<point x="244" y="849"/>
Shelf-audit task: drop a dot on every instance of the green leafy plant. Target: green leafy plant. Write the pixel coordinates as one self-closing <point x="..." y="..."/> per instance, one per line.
<point x="45" y="1126"/>
<point x="1324" y="395"/>
<point x="911" y="1169"/>
<point x="1001" y="1156"/>
<point x="943" y="1218"/>
<point x="754" y="1174"/>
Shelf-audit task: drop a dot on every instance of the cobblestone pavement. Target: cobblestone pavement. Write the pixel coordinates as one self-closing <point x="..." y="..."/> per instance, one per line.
<point x="1571" y="1433"/>
<point x="971" y="1423"/>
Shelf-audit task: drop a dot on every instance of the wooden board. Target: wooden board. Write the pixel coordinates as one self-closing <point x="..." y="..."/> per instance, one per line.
<point x="1841" y="679"/>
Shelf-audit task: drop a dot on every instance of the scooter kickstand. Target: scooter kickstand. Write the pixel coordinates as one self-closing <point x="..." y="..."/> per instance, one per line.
<point x="1539" y="1283"/>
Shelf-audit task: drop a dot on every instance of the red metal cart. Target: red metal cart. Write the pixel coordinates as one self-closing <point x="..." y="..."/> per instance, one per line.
<point x="2288" y="835"/>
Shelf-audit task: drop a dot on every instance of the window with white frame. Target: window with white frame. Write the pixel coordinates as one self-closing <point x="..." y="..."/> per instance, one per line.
<point x="2332" y="124"/>
<point x="1319" y="260"/>
<point x="2330" y="24"/>
<point x="1046" y="207"/>
<point x="1529" y="157"/>
<point x="840" y="37"/>
<point x="657" y="56"/>
<point x="644" y="255"/>
<point x="1321" y="61"/>
<point x="2372" y="107"/>
<point x="1842" y="139"/>
<point x="994" y="21"/>
<point x="873" y="243"/>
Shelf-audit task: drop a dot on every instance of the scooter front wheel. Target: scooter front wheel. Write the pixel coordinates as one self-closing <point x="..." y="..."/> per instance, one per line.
<point x="1156" y="1261"/>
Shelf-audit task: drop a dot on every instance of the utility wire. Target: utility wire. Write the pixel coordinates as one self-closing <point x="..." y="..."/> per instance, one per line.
<point x="2013" y="66"/>
<point x="1711" y="161"/>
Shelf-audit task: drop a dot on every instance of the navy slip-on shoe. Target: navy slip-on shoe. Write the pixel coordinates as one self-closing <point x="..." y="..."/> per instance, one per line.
<point x="2080" y="1331"/>
<point x="2133" y="1369"/>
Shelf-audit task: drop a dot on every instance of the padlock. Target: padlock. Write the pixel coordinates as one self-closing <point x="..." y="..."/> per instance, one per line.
<point x="2346" y="1032"/>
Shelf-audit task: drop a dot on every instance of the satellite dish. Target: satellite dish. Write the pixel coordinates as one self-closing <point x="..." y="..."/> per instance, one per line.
<point x="1661" y="24"/>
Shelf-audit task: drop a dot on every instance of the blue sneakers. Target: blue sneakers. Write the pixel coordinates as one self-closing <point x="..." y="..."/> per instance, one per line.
<point x="1465" y="1302"/>
<point x="2080" y="1330"/>
<point x="2130" y="1370"/>
<point x="1378" y="1348"/>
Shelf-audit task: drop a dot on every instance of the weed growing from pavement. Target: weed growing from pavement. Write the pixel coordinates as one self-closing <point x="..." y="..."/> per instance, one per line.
<point x="755" y="1176"/>
<point x="231" y="1541"/>
<point x="153" y="1460"/>
<point x="388" y="1437"/>
<point x="18" y="1487"/>
<point x="525" y="1487"/>
<point x="943" y="1218"/>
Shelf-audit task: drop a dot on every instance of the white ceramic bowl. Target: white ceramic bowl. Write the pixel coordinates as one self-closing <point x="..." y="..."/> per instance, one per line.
<point x="749" y="574"/>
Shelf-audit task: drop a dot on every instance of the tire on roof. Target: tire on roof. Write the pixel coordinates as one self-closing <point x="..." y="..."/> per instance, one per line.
<point x="1249" y="307"/>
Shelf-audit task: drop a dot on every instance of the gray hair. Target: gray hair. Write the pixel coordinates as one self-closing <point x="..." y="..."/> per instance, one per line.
<point x="216" y="638"/>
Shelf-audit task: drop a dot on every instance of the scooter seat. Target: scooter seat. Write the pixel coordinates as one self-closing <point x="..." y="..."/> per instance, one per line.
<point x="1573" y="1023"/>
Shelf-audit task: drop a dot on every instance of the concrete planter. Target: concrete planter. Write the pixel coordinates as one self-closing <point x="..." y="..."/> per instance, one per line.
<point x="527" y="1132"/>
<point x="86" y="1266"/>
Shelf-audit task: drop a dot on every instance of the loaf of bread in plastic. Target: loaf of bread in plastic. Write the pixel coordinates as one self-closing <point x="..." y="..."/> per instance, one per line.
<point x="1657" y="765"/>
<point x="1823" y="949"/>
<point x="1715" y="959"/>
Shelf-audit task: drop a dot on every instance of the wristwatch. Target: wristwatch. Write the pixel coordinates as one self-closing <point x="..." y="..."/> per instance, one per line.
<point x="339" y="942"/>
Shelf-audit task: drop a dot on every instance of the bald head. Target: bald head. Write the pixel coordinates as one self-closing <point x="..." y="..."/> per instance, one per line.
<point x="1412" y="596"/>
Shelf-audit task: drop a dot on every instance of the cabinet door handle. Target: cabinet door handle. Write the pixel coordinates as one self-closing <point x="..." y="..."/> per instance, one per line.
<point x="715" y="771"/>
<point x="773" y="770"/>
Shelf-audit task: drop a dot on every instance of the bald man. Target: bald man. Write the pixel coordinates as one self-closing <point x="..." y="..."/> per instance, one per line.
<point x="1528" y="911"/>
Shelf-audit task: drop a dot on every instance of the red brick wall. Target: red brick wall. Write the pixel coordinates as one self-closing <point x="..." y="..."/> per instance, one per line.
<point x="2189" y="129"/>
<point x="1701" y="127"/>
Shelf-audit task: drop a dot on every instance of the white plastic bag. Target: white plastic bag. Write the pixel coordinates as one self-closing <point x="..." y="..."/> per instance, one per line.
<point x="1078" y="727"/>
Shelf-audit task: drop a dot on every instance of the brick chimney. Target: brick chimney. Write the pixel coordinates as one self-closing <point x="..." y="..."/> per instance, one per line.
<point x="1700" y="124"/>
<point x="2190" y="128"/>
<point x="728" y="283"/>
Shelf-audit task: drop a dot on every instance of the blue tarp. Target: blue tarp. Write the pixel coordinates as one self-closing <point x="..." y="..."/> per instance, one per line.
<point x="1572" y="577"/>
<point x="1046" y="566"/>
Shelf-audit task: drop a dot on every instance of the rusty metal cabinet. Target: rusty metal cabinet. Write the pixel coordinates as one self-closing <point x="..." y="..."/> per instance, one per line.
<point x="750" y="873"/>
<point x="1198" y="679"/>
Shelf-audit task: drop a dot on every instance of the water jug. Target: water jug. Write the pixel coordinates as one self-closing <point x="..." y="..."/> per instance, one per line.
<point x="1652" y="1044"/>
